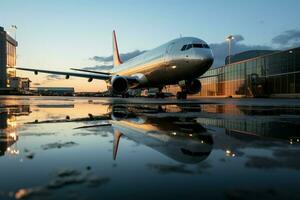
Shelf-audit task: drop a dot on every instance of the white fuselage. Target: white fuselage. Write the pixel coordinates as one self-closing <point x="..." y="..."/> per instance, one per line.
<point x="169" y="63"/>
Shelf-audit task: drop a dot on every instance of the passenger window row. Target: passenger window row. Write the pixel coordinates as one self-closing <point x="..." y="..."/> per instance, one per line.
<point x="189" y="46"/>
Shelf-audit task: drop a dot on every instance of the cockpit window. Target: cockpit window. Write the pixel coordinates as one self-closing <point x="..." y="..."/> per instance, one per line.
<point x="189" y="47"/>
<point x="197" y="45"/>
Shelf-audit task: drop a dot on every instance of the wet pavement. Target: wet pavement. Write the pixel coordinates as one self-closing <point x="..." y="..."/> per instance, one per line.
<point x="101" y="148"/>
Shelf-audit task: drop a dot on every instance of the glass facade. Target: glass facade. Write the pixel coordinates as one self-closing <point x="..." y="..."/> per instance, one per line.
<point x="11" y="58"/>
<point x="277" y="73"/>
<point x="10" y="54"/>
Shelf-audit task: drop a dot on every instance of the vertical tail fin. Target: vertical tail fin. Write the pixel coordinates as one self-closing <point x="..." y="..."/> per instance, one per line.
<point x="117" y="137"/>
<point x="116" y="56"/>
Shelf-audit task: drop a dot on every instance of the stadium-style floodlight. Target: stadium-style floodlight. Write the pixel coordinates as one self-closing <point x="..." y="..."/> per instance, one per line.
<point x="229" y="39"/>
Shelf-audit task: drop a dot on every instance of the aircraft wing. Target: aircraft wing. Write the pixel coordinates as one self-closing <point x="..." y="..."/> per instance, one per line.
<point x="69" y="74"/>
<point x="91" y="71"/>
<point x="201" y="77"/>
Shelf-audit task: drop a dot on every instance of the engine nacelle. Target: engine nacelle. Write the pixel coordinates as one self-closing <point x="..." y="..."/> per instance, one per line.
<point x="119" y="85"/>
<point x="191" y="86"/>
<point x="119" y="113"/>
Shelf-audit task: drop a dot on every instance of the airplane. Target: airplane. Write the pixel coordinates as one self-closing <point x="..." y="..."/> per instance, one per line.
<point x="178" y="62"/>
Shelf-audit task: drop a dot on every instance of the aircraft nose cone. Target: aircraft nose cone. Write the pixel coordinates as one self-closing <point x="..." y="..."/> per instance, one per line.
<point x="209" y="60"/>
<point x="207" y="57"/>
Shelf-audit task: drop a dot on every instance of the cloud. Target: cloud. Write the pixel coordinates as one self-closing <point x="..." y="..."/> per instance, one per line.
<point x="36" y="84"/>
<point x="282" y="158"/>
<point x="107" y="60"/>
<point x="238" y="38"/>
<point x="220" y="50"/>
<point x="52" y="77"/>
<point x="98" y="67"/>
<point x="247" y="193"/>
<point x="49" y="78"/>
<point x="287" y="38"/>
<point x="124" y="56"/>
<point x="169" y="168"/>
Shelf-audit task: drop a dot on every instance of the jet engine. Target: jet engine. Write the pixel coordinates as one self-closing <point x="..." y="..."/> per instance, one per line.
<point x="119" y="84"/>
<point x="191" y="86"/>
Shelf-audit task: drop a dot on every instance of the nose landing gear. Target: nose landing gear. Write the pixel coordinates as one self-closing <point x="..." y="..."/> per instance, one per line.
<point x="159" y="94"/>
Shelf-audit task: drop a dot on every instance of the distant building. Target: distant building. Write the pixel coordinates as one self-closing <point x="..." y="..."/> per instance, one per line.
<point x="7" y="58"/>
<point x="19" y="83"/>
<point x="55" y="91"/>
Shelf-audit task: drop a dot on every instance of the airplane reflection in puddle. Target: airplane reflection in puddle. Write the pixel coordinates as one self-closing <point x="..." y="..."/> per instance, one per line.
<point x="178" y="132"/>
<point x="181" y="139"/>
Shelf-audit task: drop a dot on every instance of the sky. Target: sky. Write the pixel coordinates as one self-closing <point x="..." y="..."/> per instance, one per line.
<point x="58" y="34"/>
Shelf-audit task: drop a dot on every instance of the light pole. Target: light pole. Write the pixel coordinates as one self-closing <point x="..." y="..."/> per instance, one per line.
<point x="15" y="30"/>
<point x="229" y="39"/>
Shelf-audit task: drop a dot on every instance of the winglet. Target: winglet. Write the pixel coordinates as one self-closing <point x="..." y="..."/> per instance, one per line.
<point x="116" y="56"/>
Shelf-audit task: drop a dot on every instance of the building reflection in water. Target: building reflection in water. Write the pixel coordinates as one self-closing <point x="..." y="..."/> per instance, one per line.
<point x="8" y="127"/>
<point x="258" y="121"/>
<point x="252" y="126"/>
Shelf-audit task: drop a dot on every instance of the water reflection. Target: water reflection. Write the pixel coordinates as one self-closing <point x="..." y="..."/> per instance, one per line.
<point x="183" y="140"/>
<point x="180" y="138"/>
<point x="83" y="145"/>
<point x="8" y="128"/>
<point x="187" y="132"/>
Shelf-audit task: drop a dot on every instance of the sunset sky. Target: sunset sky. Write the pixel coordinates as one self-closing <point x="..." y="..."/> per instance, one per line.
<point x="60" y="34"/>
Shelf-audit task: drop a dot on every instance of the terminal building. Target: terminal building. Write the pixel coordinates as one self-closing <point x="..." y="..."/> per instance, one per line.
<point x="255" y="74"/>
<point x="7" y="58"/>
<point x="54" y="91"/>
<point x="9" y="82"/>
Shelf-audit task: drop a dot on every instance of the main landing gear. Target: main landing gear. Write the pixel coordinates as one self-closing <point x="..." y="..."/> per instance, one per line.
<point x="125" y="95"/>
<point x="159" y="94"/>
<point x="181" y="95"/>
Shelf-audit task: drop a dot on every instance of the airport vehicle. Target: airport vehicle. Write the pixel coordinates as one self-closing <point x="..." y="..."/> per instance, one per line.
<point x="180" y="61"/>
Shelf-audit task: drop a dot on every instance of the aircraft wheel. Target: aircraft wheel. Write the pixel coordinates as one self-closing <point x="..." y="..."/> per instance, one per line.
<point x="181" y="95"/>
<point x="160" y="95"/>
